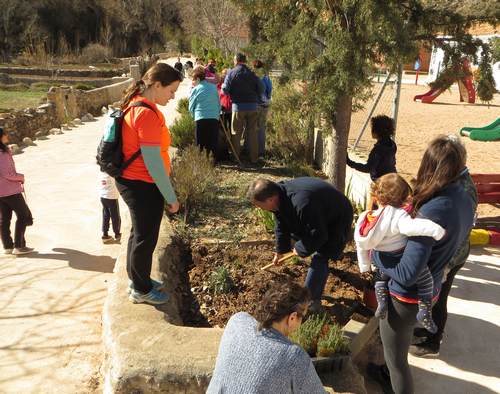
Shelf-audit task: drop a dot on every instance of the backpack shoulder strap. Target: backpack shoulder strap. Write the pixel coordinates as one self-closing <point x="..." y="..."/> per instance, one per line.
<point x="138" y="152"/>
<point x="142" y="104"/>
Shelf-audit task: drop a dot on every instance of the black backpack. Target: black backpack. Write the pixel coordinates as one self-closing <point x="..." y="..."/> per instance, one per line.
<point x="109" y="152"/>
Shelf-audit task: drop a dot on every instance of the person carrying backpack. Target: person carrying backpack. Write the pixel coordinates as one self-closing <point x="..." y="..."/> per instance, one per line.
<point x="145" y="183"/>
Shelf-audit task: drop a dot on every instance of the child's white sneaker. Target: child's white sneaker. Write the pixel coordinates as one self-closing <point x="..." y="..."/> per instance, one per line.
<point x="23" y="250"/>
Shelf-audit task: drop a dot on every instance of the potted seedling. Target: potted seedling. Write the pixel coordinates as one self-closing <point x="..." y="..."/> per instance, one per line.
<point x="324" y="342"/>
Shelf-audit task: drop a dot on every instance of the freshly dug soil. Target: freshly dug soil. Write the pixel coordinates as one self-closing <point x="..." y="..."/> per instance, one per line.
<point x="343" y="294"/>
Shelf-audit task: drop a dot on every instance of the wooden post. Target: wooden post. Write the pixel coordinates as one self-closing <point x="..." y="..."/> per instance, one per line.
<point x="395" y="103"/>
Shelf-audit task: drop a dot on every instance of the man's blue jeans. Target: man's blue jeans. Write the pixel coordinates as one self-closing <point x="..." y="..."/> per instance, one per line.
<point x="317" y="275"/>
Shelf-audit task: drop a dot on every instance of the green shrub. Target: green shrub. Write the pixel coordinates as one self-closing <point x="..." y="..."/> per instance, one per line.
<point x="332" y="342"/>
<point x="182" y="131"/>
<point x="95" y="53"/>
<point x="287" y="133"/>
<point x="194" y="177"/>
<point x="182" y="105"/>
<point x="220" y="281"/>
<point x="266" y="219"/>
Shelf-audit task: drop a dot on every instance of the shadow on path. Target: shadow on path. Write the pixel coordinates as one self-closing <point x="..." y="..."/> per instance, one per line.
<point x="429" y="382"/>
<point x="78" y="260"/>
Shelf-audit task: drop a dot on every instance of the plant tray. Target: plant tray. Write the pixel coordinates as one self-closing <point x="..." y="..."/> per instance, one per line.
<point x="326" y="365"/>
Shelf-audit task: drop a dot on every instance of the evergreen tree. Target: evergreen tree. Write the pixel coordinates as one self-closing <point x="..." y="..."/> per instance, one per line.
<point x="335" y="45"/>
<point x="486" y="83"/>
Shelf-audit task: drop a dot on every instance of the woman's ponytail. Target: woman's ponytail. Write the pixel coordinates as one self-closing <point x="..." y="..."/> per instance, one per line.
<point x="134" y="89"/>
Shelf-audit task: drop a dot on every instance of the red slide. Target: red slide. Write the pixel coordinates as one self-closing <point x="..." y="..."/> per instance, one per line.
<point x="429" y="96"/>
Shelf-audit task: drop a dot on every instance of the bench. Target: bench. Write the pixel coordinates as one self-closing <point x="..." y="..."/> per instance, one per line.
<point x="488" y="192"/>
<point x="488" y="188"/>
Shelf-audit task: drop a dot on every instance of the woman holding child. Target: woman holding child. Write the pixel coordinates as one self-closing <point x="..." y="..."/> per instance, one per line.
<point x="439" y="196"/>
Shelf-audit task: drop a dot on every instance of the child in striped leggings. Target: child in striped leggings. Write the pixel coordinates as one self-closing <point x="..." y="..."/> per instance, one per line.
<point x="386" y="229"/>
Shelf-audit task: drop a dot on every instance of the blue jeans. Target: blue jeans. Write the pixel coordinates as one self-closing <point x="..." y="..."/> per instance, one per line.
<point x="317" y="275"/>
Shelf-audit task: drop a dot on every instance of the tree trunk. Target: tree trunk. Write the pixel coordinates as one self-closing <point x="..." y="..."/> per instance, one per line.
<point x="340" y="134"/>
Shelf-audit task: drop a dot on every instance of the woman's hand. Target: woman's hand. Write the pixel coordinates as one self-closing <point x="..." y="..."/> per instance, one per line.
<point x="173" y="208"/>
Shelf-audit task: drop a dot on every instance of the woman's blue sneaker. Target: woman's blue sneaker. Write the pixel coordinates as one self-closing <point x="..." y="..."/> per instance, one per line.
<point x="154" y="297"/>
<point x="156" y="285"/>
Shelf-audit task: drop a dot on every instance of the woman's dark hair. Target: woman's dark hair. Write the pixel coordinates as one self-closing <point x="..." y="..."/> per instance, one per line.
<point x="240" y="58"/>
<point x="3" y="147"/>
<point x="382" y="126"/>
<point x="281" y="300"/>
<point x="262" y="189"/>
<point x="442" y="163"/>
<point x="199" y="73"/>
<point x="258" y="64"/>
<point x="391" y="189"/>
<point x="159" y="72"/>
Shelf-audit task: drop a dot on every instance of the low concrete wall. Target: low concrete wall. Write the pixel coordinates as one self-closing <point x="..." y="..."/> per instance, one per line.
<point x="146" y="351"/>
<point x="93" y="100"/>
<point x="357" y="182"/>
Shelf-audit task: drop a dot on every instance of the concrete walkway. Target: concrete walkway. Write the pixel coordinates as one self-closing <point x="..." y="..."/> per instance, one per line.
<point x="469" y="360"/>
<point x="51" y="302"/>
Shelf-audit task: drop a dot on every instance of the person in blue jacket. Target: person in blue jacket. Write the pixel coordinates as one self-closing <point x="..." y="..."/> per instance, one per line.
<point x="245" y="89"/>
<point x="440" y="197"/>
<point x="315" y="214"/>
<point x="204" y="105"/>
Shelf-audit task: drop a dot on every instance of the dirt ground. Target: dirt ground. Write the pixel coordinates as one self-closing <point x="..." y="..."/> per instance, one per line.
<point x="343" y="292"/>
<point x="419" y="123"/>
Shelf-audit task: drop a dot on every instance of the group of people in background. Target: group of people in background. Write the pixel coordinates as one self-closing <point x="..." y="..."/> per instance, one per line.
<point x="236" y="101"/>
<point x="416" y="259"/>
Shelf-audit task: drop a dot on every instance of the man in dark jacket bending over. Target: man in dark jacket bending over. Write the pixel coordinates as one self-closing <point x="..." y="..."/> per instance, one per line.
<point x="312" y="212"/>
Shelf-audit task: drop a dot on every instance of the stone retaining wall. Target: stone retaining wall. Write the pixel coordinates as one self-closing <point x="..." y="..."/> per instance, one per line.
<point x="28" y="80"/>
<point x="63" y="105"/>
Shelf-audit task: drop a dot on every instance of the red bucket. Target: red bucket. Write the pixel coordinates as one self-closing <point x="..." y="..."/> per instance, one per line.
<point x="369" y="298"/>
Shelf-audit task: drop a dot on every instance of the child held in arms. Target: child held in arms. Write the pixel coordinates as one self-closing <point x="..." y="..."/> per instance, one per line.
<point x="382" y="158"/>
<point x="386" y="230"/>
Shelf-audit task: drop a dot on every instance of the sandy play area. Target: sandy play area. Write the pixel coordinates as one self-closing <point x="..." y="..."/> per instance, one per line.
<point x="419" y="123"/>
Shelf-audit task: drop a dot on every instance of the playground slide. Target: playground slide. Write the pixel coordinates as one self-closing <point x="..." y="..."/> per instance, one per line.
<point x="491" y="126"/>
<point x="490" y="132"/>
<point x="429" y="96"/>
<point x="467" y="91"/>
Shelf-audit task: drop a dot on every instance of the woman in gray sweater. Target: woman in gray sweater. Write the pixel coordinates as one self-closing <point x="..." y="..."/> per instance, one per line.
<point x="256" y="356"/>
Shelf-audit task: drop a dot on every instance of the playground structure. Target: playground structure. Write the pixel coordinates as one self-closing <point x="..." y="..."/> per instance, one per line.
<point x="465" y="88"/>
<point x="490" y="132"/>
<point x="488" y="192"/>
